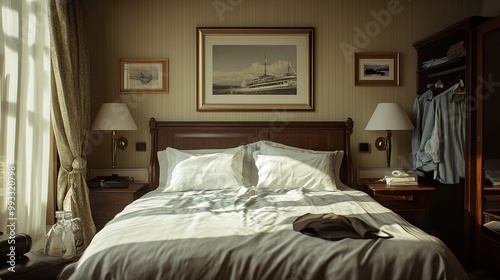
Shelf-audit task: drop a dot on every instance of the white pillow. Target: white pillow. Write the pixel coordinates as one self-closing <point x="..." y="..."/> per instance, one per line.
<point x="250" y="172"/>
<point x="328" y="162"/>
<point x="279" y="172"/>
<point x="163" y="164"/>
<point x="265" y="144"/>
<point x="169" y="158"/>
<point x="206" y="172"/>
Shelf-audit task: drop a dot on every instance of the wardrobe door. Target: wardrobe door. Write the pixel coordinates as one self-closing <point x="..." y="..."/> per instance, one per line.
<point x="488" y="145"/>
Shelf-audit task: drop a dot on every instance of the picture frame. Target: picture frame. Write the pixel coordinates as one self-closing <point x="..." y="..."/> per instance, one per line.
<point x="254" y="69"/>
<point x="376" y="69"/>
<point x="143" y="75"/>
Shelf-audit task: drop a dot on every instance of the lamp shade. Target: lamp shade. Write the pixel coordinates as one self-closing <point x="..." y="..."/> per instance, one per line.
<point x="113" y="116"/>
<point x="389" y="116"/>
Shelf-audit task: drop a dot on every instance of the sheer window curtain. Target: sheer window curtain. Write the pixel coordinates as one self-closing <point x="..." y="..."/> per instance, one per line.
<point x="25" y="85"/>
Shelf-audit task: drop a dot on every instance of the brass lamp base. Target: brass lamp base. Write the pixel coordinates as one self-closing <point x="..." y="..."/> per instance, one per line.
<point x="120" y="143"/>
<point x="384" y="143"/>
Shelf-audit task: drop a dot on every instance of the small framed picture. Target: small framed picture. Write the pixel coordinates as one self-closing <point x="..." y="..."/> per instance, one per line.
<point x="144" y="76"/>
<point x="376" y="69"/>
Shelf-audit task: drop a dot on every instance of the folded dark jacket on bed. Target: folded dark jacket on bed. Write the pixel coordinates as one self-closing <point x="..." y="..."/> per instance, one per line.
<point x="333" y="227"/>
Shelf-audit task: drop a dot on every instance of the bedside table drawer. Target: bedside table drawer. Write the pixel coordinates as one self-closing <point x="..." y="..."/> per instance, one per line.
<point x="106" y="213"/>
<point x="402" y="201"/>
<point x="393" y="197"/>
<point x="110" y="199"/>
<point x="418" y="218"/>
<point x="410" y="202"/>
<point x="100" y="223"/>
<point x="106" y="203"/>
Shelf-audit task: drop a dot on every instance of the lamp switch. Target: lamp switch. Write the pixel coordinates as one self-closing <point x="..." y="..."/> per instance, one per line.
<point x="364" y="147"/>
<point x="140" y="146"/>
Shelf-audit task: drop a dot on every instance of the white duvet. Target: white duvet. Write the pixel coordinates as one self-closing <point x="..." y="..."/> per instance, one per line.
<point x="247" y="234"/>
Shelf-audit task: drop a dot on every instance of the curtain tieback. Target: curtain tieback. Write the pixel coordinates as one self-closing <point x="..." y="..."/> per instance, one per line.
<point x="79" y="167"/>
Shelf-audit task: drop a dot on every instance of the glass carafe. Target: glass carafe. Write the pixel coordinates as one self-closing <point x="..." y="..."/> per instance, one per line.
<point x="54" y="245"/>
<point x="69" y="251"/>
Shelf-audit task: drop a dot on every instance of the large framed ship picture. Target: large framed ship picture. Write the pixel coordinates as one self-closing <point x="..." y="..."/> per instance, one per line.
<point x="254" y="69"/>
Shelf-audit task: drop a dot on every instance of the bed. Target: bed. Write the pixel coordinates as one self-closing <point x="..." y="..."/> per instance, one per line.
<point x="195" y="225"/>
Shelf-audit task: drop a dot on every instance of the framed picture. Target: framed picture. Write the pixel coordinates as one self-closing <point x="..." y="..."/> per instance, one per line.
<point x="144" y="75"/>
<point x="376" y="69"/>
<point x="254" y="69"/>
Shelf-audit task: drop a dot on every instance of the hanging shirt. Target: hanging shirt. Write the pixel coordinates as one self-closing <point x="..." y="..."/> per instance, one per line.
<point x="447" y="142"/>
<point x="420" y="110"/>
<point x="424" y="162"/>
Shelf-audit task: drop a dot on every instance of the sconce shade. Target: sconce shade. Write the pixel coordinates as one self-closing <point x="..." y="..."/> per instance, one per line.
<point x="113" y="116"/>
<point x="389" y="116"/>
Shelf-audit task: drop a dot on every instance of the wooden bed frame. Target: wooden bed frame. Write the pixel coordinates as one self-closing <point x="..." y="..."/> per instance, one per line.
<point x="321" y="136"/>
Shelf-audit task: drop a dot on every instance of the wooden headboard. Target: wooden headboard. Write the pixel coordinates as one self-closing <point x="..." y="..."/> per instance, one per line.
<point x="321" y="136"/>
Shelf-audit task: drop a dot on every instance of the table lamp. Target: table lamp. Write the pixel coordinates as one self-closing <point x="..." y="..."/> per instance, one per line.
<point x="388" y="117"/>
<point x="113" y="117"/>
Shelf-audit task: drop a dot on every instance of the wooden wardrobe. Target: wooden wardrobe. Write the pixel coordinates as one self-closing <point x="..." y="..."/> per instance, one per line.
<point x="486" y="155"/>
<point x="462" y="210"/>
<point x="451" y="205"/>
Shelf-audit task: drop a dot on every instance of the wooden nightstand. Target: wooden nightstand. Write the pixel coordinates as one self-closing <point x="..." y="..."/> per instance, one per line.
<point x="107" y="202"/>
<point x="410" y="202"/>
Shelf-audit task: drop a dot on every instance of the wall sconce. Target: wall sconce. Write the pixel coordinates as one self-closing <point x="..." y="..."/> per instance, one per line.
<point x="388" y="117"/>
<point x="113" y="117"/>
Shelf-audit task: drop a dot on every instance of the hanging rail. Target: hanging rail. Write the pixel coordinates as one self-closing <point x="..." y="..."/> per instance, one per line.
<point x="457" y="69"/>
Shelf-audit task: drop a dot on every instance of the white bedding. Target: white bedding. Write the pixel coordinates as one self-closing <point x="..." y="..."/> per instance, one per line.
<point x="247" y="233"/>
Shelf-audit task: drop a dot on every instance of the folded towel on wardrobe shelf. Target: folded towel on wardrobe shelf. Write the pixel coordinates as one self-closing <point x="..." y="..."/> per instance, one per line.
<point x="492" y="177"/>
<point x="434" y="62"/>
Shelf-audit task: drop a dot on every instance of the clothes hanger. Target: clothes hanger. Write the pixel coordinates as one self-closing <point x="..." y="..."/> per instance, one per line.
<point x="458" y="79"/>
<point x="438" y="84"/>
<point x="461" y="88"/>
<point x="437" y="88"/>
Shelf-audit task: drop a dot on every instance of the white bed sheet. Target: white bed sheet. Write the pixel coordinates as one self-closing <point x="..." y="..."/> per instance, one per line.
<point x="247" y="234"/>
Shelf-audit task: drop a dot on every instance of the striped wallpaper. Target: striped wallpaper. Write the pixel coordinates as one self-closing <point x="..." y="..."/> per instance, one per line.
<point x="167" y="29"/>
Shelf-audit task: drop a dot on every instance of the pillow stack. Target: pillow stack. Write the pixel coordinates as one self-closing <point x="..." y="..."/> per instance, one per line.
<point x="264" y="164"/>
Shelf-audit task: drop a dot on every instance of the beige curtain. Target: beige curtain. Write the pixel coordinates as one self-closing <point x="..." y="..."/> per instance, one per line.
<point x="70" y="108"/>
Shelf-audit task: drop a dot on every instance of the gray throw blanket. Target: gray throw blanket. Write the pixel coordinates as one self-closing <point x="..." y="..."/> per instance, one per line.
<point x="330" y="226"/>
